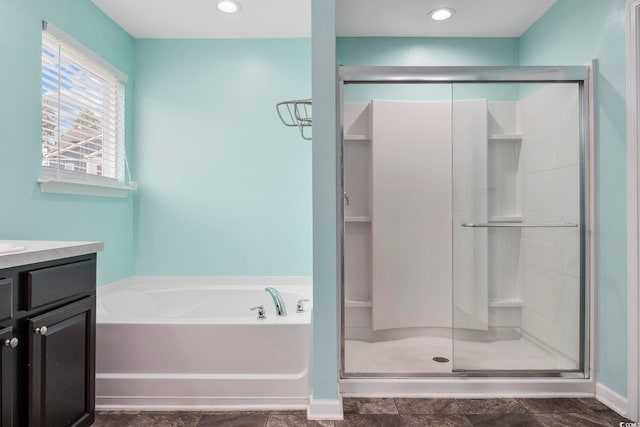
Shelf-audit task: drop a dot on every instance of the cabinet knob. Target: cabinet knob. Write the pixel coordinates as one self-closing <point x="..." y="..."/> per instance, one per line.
<point x="13" y="342"/>
<point x="42" y="330"/>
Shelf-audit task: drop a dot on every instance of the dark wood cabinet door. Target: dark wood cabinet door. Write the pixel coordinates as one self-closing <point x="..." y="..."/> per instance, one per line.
<point x="8" y="343"/>
<point x="62" y="366"/>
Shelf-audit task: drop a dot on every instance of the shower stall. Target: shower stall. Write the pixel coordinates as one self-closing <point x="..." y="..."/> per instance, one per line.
<point x="465" y="218"/>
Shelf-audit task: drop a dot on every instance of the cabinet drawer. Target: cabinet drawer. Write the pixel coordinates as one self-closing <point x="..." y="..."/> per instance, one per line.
<point x="56" y="283"/>
<point x="6" y="298"/>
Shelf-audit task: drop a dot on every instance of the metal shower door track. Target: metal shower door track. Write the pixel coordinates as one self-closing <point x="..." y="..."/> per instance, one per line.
<point x="348" y="74"/>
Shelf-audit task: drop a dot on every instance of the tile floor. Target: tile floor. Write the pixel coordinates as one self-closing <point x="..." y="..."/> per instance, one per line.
<point x="394" y="412"/>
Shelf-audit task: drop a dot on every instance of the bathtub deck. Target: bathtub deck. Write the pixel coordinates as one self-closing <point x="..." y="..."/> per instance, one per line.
<point x="392" y="413"/>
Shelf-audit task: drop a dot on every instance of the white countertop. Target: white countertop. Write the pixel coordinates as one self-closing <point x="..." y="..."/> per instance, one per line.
<point x="44" y="250"/>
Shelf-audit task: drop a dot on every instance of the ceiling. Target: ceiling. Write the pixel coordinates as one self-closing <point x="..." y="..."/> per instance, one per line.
<point x="292" y="18"/>
<point x="473" y="18"/>
<point x="199" y="19"/>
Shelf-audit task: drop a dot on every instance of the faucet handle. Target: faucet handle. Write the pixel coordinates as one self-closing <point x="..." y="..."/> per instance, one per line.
<point x="260" y="309"/>
<point x="300" y="305"/>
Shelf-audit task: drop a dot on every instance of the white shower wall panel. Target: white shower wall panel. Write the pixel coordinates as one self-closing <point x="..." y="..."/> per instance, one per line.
<point x="551" y="302"/>
<point x="411" y="214"/>
<point x="503" y="179"/>
<point x="356" y="118"/>
<point x="470" y="245"/>
<point x="414" y="260"/>
<point x="551" y="313"/>
<point x="555" y="250"/>
<point x="503" y="118"/>
<point x="505" y="259"/>
<point x="551" y="120"/>
<point x="552" y="195"/>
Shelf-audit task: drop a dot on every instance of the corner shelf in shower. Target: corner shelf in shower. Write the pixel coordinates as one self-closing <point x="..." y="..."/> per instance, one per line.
<point x="357" y="219"/>
<point x="357" y="169"/>
<point x="357" y="138"/>
<point x="350" y="303"/>
<point x="503" y="137"/>
<point x="506" y="303"/>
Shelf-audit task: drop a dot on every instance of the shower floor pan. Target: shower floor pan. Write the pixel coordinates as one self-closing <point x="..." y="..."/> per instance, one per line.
<point x="415" y="355"/>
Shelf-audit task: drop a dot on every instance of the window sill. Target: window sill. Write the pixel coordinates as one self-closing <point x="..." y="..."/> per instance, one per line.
<point x="62" y="186"/>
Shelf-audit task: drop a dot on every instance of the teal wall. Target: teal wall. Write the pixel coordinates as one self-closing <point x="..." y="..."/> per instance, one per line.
<point x="25" y="213"/>
<point x="225" y="187"/>
<point x="385" y="51"/>
<point x="381" y="51"/>
<point x="365" y="92"/>
<point x="574" y="32"/>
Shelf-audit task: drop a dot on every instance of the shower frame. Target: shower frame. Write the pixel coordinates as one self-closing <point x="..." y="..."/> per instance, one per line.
<point x="583" y="76"/>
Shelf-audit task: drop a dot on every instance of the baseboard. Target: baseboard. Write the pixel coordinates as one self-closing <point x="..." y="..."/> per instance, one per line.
<point x="612" y="399"/>
<point x="178" y="403"/>
<point x="325" y="409"/>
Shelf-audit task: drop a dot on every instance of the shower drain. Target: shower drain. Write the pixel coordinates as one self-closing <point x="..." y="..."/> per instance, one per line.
<point x="440" y="359"/>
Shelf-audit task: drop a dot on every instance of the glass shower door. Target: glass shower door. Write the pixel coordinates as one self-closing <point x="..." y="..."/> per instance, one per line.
<point x="397" y="230"/>
<point x="518" y="251"/>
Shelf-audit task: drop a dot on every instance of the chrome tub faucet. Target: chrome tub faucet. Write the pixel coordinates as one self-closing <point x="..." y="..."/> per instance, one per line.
<point x="281" y="310"/>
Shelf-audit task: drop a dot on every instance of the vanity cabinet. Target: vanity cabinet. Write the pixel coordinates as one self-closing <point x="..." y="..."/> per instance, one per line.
<point x="48" y="377"/>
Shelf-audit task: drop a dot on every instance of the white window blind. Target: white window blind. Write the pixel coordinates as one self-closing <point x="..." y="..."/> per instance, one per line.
<point x="82" y="115"/>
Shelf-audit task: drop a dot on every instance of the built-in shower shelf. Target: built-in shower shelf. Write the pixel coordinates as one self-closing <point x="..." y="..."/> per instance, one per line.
<point x="357" y="303"/>
<point x="506" y="303"/>
<point x="505" y="218"/>
<point x="515" y="137"/>
<point x="357" y="138"/>
<point x="357" y="219"/>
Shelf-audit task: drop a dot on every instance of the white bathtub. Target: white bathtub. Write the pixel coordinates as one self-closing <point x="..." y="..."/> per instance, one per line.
<point x="193" y="343"/>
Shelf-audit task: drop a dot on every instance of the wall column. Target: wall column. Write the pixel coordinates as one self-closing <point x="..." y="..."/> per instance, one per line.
<point x="325" y="399"/>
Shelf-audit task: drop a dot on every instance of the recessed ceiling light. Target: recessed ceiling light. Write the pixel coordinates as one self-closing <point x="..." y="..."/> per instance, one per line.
<point x="441" y="14"/>
<point x="228" y="6"/>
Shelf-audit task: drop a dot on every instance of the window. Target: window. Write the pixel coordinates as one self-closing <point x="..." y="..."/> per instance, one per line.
<point x="82" y="117"/>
